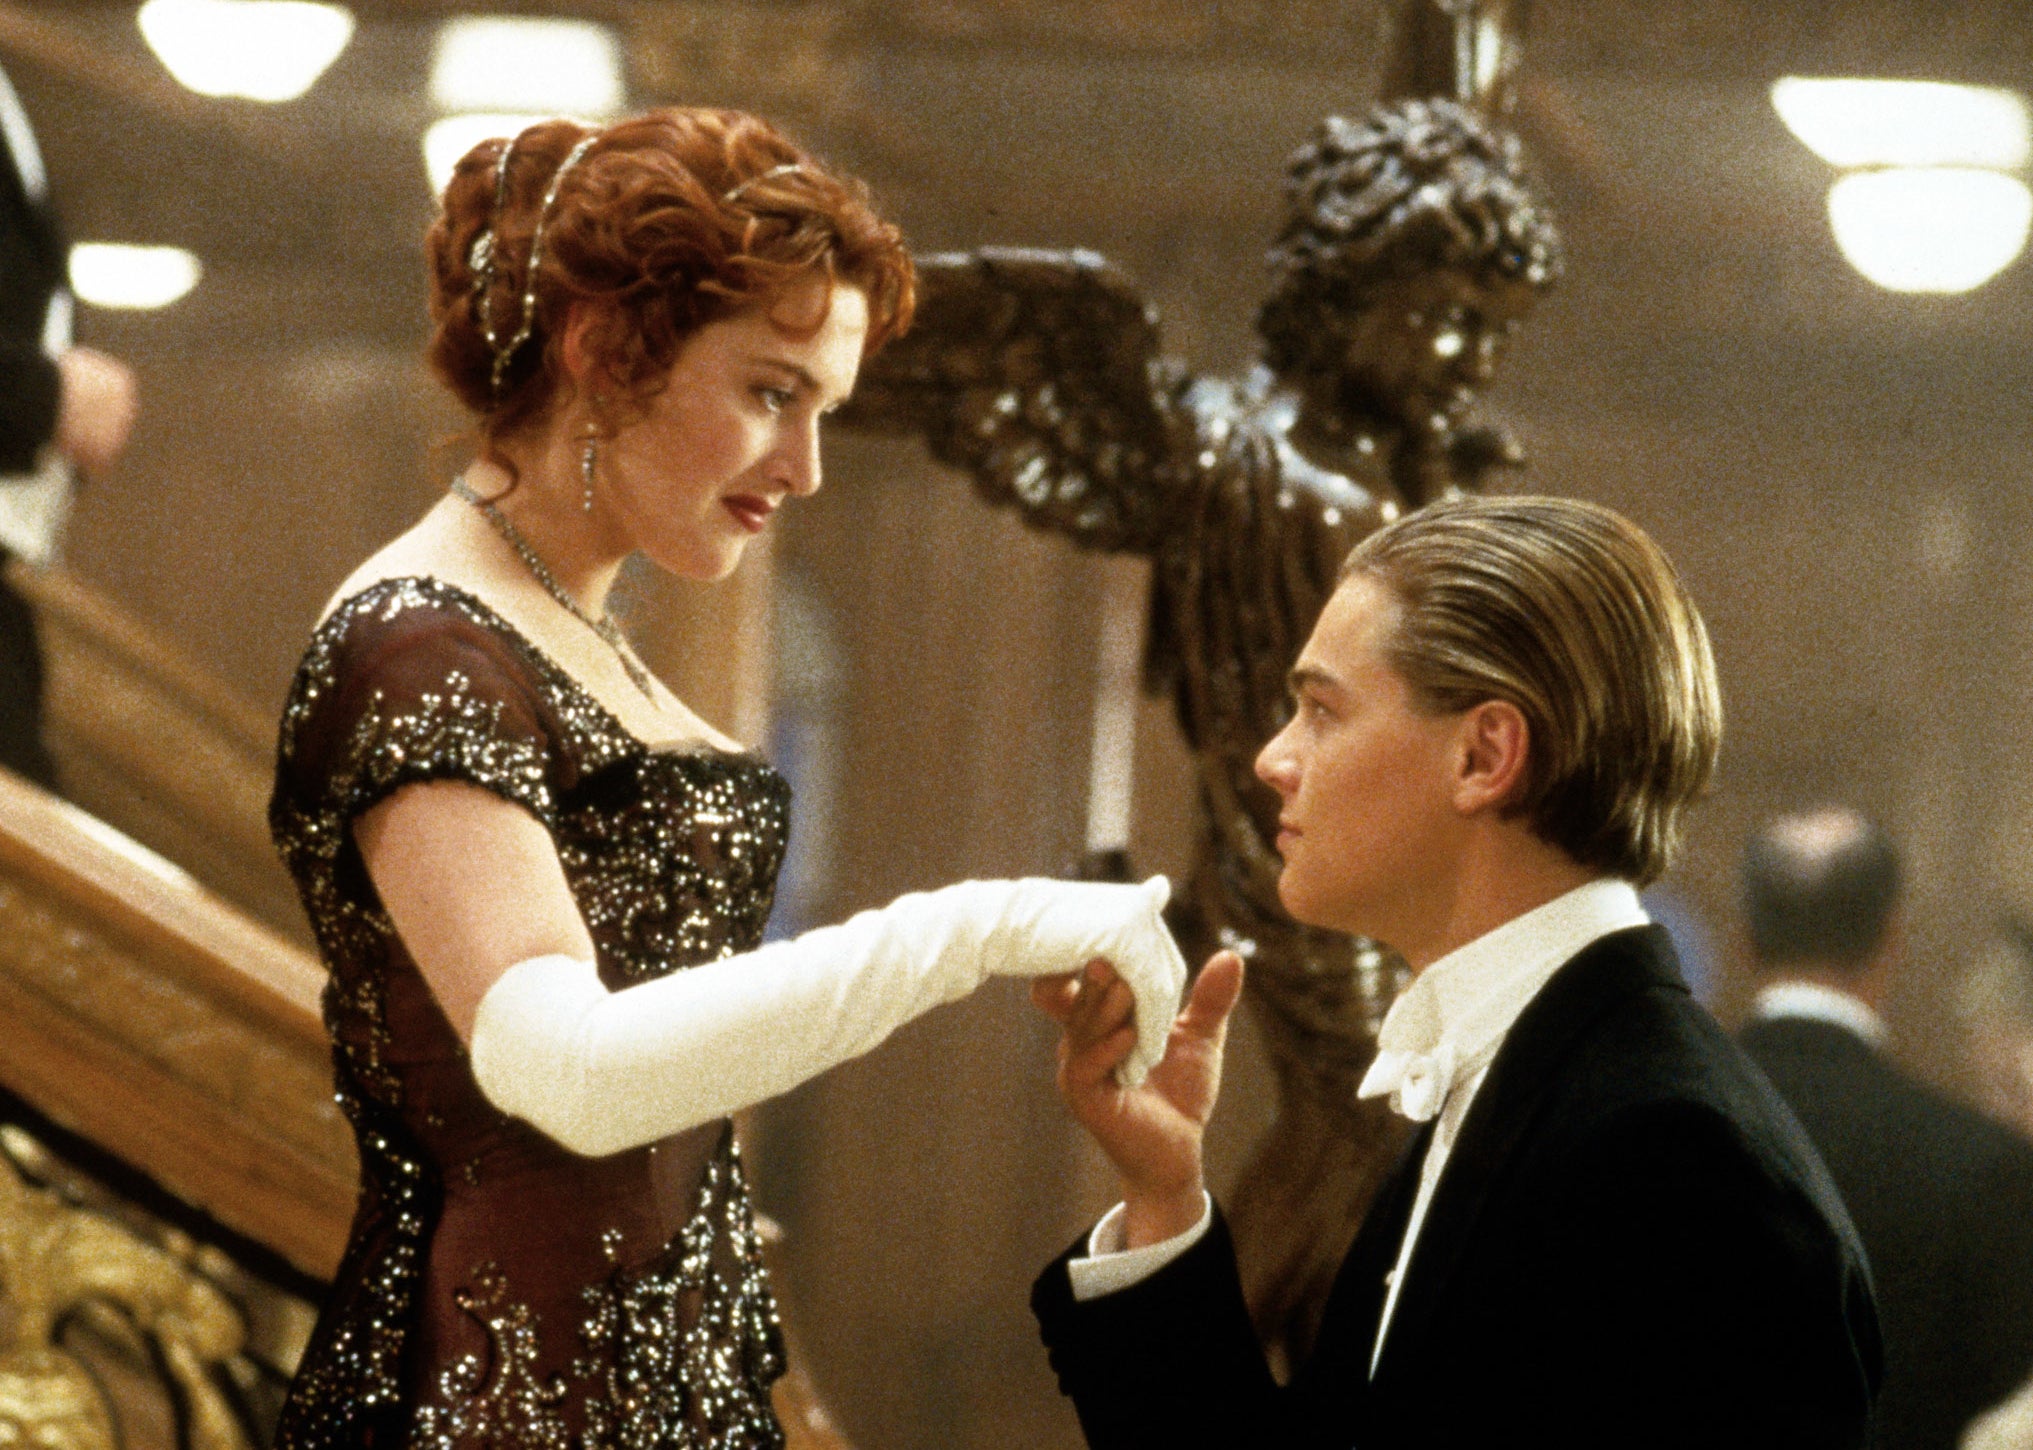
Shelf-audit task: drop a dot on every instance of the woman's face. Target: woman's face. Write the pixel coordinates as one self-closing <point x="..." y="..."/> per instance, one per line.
<point x="734" y="432"/>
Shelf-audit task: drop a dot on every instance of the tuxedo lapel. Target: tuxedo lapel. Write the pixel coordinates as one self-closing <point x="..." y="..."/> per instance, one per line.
<point x="1505" y="1106"/>
<point x="1348" y="1327"/>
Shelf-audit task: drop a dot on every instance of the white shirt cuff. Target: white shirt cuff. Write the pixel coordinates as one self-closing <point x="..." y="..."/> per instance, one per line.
<point x="1109" y="1267"/>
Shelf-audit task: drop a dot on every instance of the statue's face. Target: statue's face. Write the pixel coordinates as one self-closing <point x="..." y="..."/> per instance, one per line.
<point x="1423" y="343"/>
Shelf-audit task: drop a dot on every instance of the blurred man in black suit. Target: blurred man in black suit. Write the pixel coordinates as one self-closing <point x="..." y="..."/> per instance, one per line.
<point x="1942" y="1196"/>
<point x="61" y="407"/>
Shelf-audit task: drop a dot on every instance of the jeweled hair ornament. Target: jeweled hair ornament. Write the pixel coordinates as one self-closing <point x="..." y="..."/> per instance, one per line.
<point x="483" y="257"/>
<point x="733" y="194"/>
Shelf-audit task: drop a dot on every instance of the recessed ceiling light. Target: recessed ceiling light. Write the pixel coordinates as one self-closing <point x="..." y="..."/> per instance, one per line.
<point x="261" y="50"/>
<point x="508" y="63"/>
<point x="113" y="274"/>
<point x="1852" y="123"/>
<point x="1930" y="230"/>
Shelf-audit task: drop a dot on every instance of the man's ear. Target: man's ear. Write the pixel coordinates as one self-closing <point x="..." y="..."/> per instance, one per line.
<point x="1493" y="748"/>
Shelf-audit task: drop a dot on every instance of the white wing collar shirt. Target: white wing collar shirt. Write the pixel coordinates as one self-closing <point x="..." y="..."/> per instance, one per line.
<point x="1434" y="1049"/>
<point x="1443" y="1031"/>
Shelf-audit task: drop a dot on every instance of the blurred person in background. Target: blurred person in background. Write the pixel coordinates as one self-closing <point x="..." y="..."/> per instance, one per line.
<point x="61" y="408"/>
<point x="1996" y="1008"/>
<point x="1997" y="1016"/>
<point x="1941" y="1196"/>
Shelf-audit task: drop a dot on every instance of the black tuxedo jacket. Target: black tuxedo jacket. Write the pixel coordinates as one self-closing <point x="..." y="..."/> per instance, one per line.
<point x="1943" y="1200"/>
<point x="33" y="259"/>
<point x="1633" y="1245"/>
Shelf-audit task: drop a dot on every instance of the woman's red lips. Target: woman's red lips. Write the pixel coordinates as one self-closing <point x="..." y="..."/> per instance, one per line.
<point x="749" y="511"/>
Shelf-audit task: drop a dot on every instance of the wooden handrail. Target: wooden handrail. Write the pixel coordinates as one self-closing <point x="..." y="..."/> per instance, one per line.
<point x="147" y="739"/>
<point x="150" y="1017"/>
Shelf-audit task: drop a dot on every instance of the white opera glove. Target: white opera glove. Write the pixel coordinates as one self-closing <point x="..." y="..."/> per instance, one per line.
<point x="601" y="1071"/>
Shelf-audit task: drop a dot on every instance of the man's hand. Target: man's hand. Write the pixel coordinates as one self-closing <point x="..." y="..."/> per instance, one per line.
<point x="1153" y="1133"/>
<point x="95" y="408"/>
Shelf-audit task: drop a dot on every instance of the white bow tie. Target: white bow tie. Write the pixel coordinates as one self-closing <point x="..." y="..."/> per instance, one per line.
<point x="1418" y="1082"/>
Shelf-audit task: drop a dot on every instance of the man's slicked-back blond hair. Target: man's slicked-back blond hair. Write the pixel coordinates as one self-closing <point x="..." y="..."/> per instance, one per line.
<point x="1569" y="612"/>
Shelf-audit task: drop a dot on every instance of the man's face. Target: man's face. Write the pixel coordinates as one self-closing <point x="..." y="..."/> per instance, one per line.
<point x="1368" y="828"/>
<point x="1422" y="344"/>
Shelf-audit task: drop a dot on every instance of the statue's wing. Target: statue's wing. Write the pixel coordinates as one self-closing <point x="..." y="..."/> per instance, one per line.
<point x="1037" y="373"/>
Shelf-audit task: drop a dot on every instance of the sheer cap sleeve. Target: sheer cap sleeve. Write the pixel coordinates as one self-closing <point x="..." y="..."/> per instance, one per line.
<point x="402" y="686"/>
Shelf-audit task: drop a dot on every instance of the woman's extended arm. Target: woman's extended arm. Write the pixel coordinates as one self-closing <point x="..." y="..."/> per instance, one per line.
<point x="474" y="887"/>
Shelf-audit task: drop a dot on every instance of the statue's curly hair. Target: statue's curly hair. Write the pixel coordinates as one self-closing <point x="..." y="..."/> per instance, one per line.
<point x="1412" y="186"/>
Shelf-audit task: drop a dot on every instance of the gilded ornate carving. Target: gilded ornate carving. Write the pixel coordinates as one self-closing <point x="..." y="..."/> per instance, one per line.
<point x="58" y="1260"/>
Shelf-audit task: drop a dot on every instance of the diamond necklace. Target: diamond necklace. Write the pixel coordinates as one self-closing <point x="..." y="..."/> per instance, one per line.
<point x="604" y="626"/>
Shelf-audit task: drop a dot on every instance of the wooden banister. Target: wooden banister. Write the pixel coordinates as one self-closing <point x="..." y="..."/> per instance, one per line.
<point x="149" y="740"/>
<point x="148" y="1016"/>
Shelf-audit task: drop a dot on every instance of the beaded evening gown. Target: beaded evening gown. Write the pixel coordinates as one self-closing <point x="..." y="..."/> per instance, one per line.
<point x="498" y="1290"/>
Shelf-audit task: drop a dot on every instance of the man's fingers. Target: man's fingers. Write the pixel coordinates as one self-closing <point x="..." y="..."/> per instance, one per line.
<point x="1215" y="993"/>
<point x="1097" y="1012"/>
<point x="1055" y="996"/>
<point x="1058" y="997"/>
<point x="1093" y="1064"/>
<point x="1104" y="1003"/>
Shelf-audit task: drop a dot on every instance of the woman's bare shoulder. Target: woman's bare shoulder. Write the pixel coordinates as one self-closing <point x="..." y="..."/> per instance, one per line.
<point x="432" y="548"/>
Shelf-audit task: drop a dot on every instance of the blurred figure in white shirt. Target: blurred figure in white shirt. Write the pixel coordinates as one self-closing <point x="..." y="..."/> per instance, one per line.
<point x="63" y="409"/>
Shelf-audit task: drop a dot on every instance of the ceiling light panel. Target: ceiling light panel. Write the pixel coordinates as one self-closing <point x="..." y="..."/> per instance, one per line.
<point x="1857" y="123"/>
<point x="504" y="64"/>
<point x="1939" y="230"/>
<point x="115" y="274"/>
<point x="260" y="50"/>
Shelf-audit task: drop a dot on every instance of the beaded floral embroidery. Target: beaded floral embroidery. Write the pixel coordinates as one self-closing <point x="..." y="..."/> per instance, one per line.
<point x="672" y="857"/>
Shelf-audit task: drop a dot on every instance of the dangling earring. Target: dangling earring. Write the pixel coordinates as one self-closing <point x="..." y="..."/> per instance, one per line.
<point x="589" y="453"/>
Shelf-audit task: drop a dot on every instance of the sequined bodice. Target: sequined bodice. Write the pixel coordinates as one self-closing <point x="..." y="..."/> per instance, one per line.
<point x="498" y="1290"/>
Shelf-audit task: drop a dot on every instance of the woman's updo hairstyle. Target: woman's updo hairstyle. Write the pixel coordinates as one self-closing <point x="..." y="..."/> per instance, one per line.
<point x="667" y="221"/>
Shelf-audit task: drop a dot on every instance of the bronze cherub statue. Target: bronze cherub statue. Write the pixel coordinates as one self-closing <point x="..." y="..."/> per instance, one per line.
<point x="1413" y="248"/>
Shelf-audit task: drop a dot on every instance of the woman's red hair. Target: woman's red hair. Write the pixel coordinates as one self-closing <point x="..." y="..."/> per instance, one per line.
<point x="644" y="236"/>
